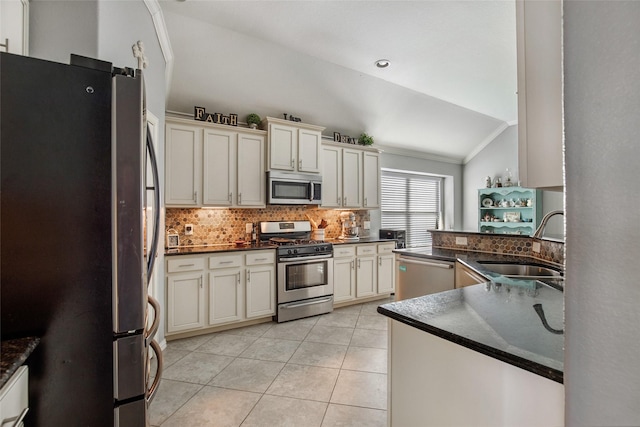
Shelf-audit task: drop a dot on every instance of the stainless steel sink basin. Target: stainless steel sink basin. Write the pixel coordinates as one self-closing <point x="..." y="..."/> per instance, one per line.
<point x="520" y="270"/>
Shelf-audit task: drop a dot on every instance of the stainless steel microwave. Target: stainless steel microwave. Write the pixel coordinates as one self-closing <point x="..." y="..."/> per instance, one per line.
<point x="287" y="188"/>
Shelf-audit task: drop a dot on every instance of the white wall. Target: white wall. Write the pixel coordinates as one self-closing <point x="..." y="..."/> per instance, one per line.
<point x="105" y="30"/>
<point x="493" y="160"/>
<point x="602" y="111"/>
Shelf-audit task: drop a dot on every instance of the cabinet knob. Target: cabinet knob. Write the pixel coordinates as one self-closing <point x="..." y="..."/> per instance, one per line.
<point x="239" y="198"/>
<point x="195" y="196"/>
<point x="300" y="164"/>
<point x="230" y="196"/>
<point x="248" y="276"/>
<point x="292" y="163"/>
<point x="365" y="201"/>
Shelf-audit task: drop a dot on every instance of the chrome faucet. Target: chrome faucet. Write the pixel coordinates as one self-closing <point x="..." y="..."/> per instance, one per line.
<point x="538" y="233"/>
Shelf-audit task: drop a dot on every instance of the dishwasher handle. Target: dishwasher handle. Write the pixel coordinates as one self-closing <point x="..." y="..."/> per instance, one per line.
<point x="405" y="260"/>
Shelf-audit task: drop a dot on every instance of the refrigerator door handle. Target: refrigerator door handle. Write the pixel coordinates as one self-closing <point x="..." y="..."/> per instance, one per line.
<point x="151" y="391"/>
<point x="151" y="332"/>
<point x="153" y="250"/>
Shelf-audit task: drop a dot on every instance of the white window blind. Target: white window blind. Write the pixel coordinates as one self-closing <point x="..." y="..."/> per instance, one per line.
<point x="411" y="202"/>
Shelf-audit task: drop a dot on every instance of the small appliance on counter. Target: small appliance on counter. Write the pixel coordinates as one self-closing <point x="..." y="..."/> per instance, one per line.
<point x="397" y="235"/>
<point x="349" y="227"/>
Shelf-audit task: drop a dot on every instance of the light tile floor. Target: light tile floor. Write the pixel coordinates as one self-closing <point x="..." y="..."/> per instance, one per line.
<point x="328" y="370"/>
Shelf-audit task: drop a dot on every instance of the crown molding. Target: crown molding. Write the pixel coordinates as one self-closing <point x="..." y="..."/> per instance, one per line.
<point x="163" y="39"/>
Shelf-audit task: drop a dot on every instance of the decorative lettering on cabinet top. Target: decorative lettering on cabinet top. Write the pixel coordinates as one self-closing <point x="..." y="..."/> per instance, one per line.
<point x="200" y="114"/>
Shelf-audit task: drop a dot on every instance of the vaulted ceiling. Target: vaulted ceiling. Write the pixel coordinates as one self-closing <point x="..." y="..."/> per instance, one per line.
<point x="450" y="89"/>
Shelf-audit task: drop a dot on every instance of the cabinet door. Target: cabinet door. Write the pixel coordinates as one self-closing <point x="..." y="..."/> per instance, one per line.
<point x="366" y="270"/>
<point x="539" y="47"/>
<point x="386" y="274"/>
<point x="283" y="141"/>
<point x="251" y="174"/>
<point x="344" y="279"/>
<point x="218" y="178"/>
<point x="14" y="25"/>
<point x="309" y="159"/>
<point x="225" y="296"/>
<point x="331" y="177"/>
<point x="185" y="302"/>
<point x="371" y="180"/>
<point x="183" y="170"/>
<point x="261" y="291"/>
<point x="351" y="178"/>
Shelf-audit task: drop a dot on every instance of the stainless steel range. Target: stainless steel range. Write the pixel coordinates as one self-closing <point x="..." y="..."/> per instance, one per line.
<point x="304" y="270"/>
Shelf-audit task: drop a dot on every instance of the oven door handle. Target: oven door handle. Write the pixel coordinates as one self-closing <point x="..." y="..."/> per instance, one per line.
<point x="302" y="304"/>
<point x="301" y="260"/>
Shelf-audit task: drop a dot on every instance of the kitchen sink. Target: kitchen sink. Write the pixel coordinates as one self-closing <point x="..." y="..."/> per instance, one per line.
<point x="518" y="270"/>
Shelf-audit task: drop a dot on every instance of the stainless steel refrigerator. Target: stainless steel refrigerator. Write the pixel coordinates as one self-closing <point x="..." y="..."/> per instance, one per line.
<point x="74" y="263"/>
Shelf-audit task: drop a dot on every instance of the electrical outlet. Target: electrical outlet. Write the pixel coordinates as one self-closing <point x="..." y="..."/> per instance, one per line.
<point x="367" y="225"/>
<point x="248" y="227"/>
<point x="536" y="247"/>
<point x="461" y="241"/>
<point x="188" y="229"/>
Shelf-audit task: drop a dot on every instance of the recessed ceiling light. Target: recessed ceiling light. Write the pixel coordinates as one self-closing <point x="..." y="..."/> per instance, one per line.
<point x="382" y="63"/>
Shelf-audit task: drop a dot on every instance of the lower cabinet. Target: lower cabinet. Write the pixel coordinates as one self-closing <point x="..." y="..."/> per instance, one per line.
<point x="466" y="276"/>
<point x="363" y="270"/>
<point x="239" y="286"/>
<point x="225" y="296"/>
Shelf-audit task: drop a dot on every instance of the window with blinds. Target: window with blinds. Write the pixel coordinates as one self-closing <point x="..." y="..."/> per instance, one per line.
<point x="411" y="202"/>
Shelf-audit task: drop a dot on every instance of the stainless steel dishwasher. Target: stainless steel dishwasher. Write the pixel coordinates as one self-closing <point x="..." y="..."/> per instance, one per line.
<point x="416" y="276"/>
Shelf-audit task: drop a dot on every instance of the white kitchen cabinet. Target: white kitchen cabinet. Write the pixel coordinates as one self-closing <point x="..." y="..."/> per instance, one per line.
<point x="240" y="286"/>
<point x="261" y="291"/>
<point x="366" y="271"/>
<point x="219" y="158"/>
<point x="331" y="176"/>
<point x="371" y="180"/>
<point x="350" y="177"/>
<point x="185" y="302"/>
<point x="250" y="171"/>
<point x="344" y="273"/>
<point x="293" y="146"/>
<point x="14" y="26"/>
<point x="341" y="177"/>
<point x="260" y="284"/>
<point x="183" y="164"/>
<point x="386" y="268"/>
<point x="540" y="128"/>
<point x="214" y="165"/>
<point x="225" y="295"/>
<point x="226" y="288"/>
<point x="14" y="397"/>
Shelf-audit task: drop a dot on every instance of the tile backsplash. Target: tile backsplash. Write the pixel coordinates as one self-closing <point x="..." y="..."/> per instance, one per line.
<point x="500" y="244"/>
<point x="223" y="226"/>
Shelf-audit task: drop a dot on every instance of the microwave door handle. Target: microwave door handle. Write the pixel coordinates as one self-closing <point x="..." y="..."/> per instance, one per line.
<point x="311" y="192"/>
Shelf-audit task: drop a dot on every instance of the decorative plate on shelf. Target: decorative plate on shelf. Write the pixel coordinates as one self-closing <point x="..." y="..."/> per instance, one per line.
<point x="487" y="202"/>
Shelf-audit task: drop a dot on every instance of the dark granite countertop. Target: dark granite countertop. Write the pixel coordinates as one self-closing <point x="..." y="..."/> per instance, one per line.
<point x="195" y="250"/>
<point x="13" y="355"/>
<point x="498" y="320"/>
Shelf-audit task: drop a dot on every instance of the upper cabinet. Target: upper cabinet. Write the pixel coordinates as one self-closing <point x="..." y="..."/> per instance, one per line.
<point x="539" y="37"/>
<point x="213" y="165"/>
<point x="350" y="176"/>
<point x="14" y="26"/>
<point x="293" y="146"/>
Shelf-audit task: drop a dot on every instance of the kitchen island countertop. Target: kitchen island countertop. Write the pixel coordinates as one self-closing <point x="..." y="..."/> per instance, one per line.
<point x="498" y="320"/>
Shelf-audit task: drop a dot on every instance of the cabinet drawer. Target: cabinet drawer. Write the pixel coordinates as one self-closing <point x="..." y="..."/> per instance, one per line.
<point x="14" y="396"/>
<point x="256" y="258"/>
<point x="176" y="265"/>
<point x="366" y="250"/>
<point x="386" y="248"/>
<point x="224" y="261"/>
<point x="344" y="251"/>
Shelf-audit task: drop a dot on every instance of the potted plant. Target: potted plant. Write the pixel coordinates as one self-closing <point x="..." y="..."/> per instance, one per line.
<point x="365" y="139"/>
<point x="253" y="120"/>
